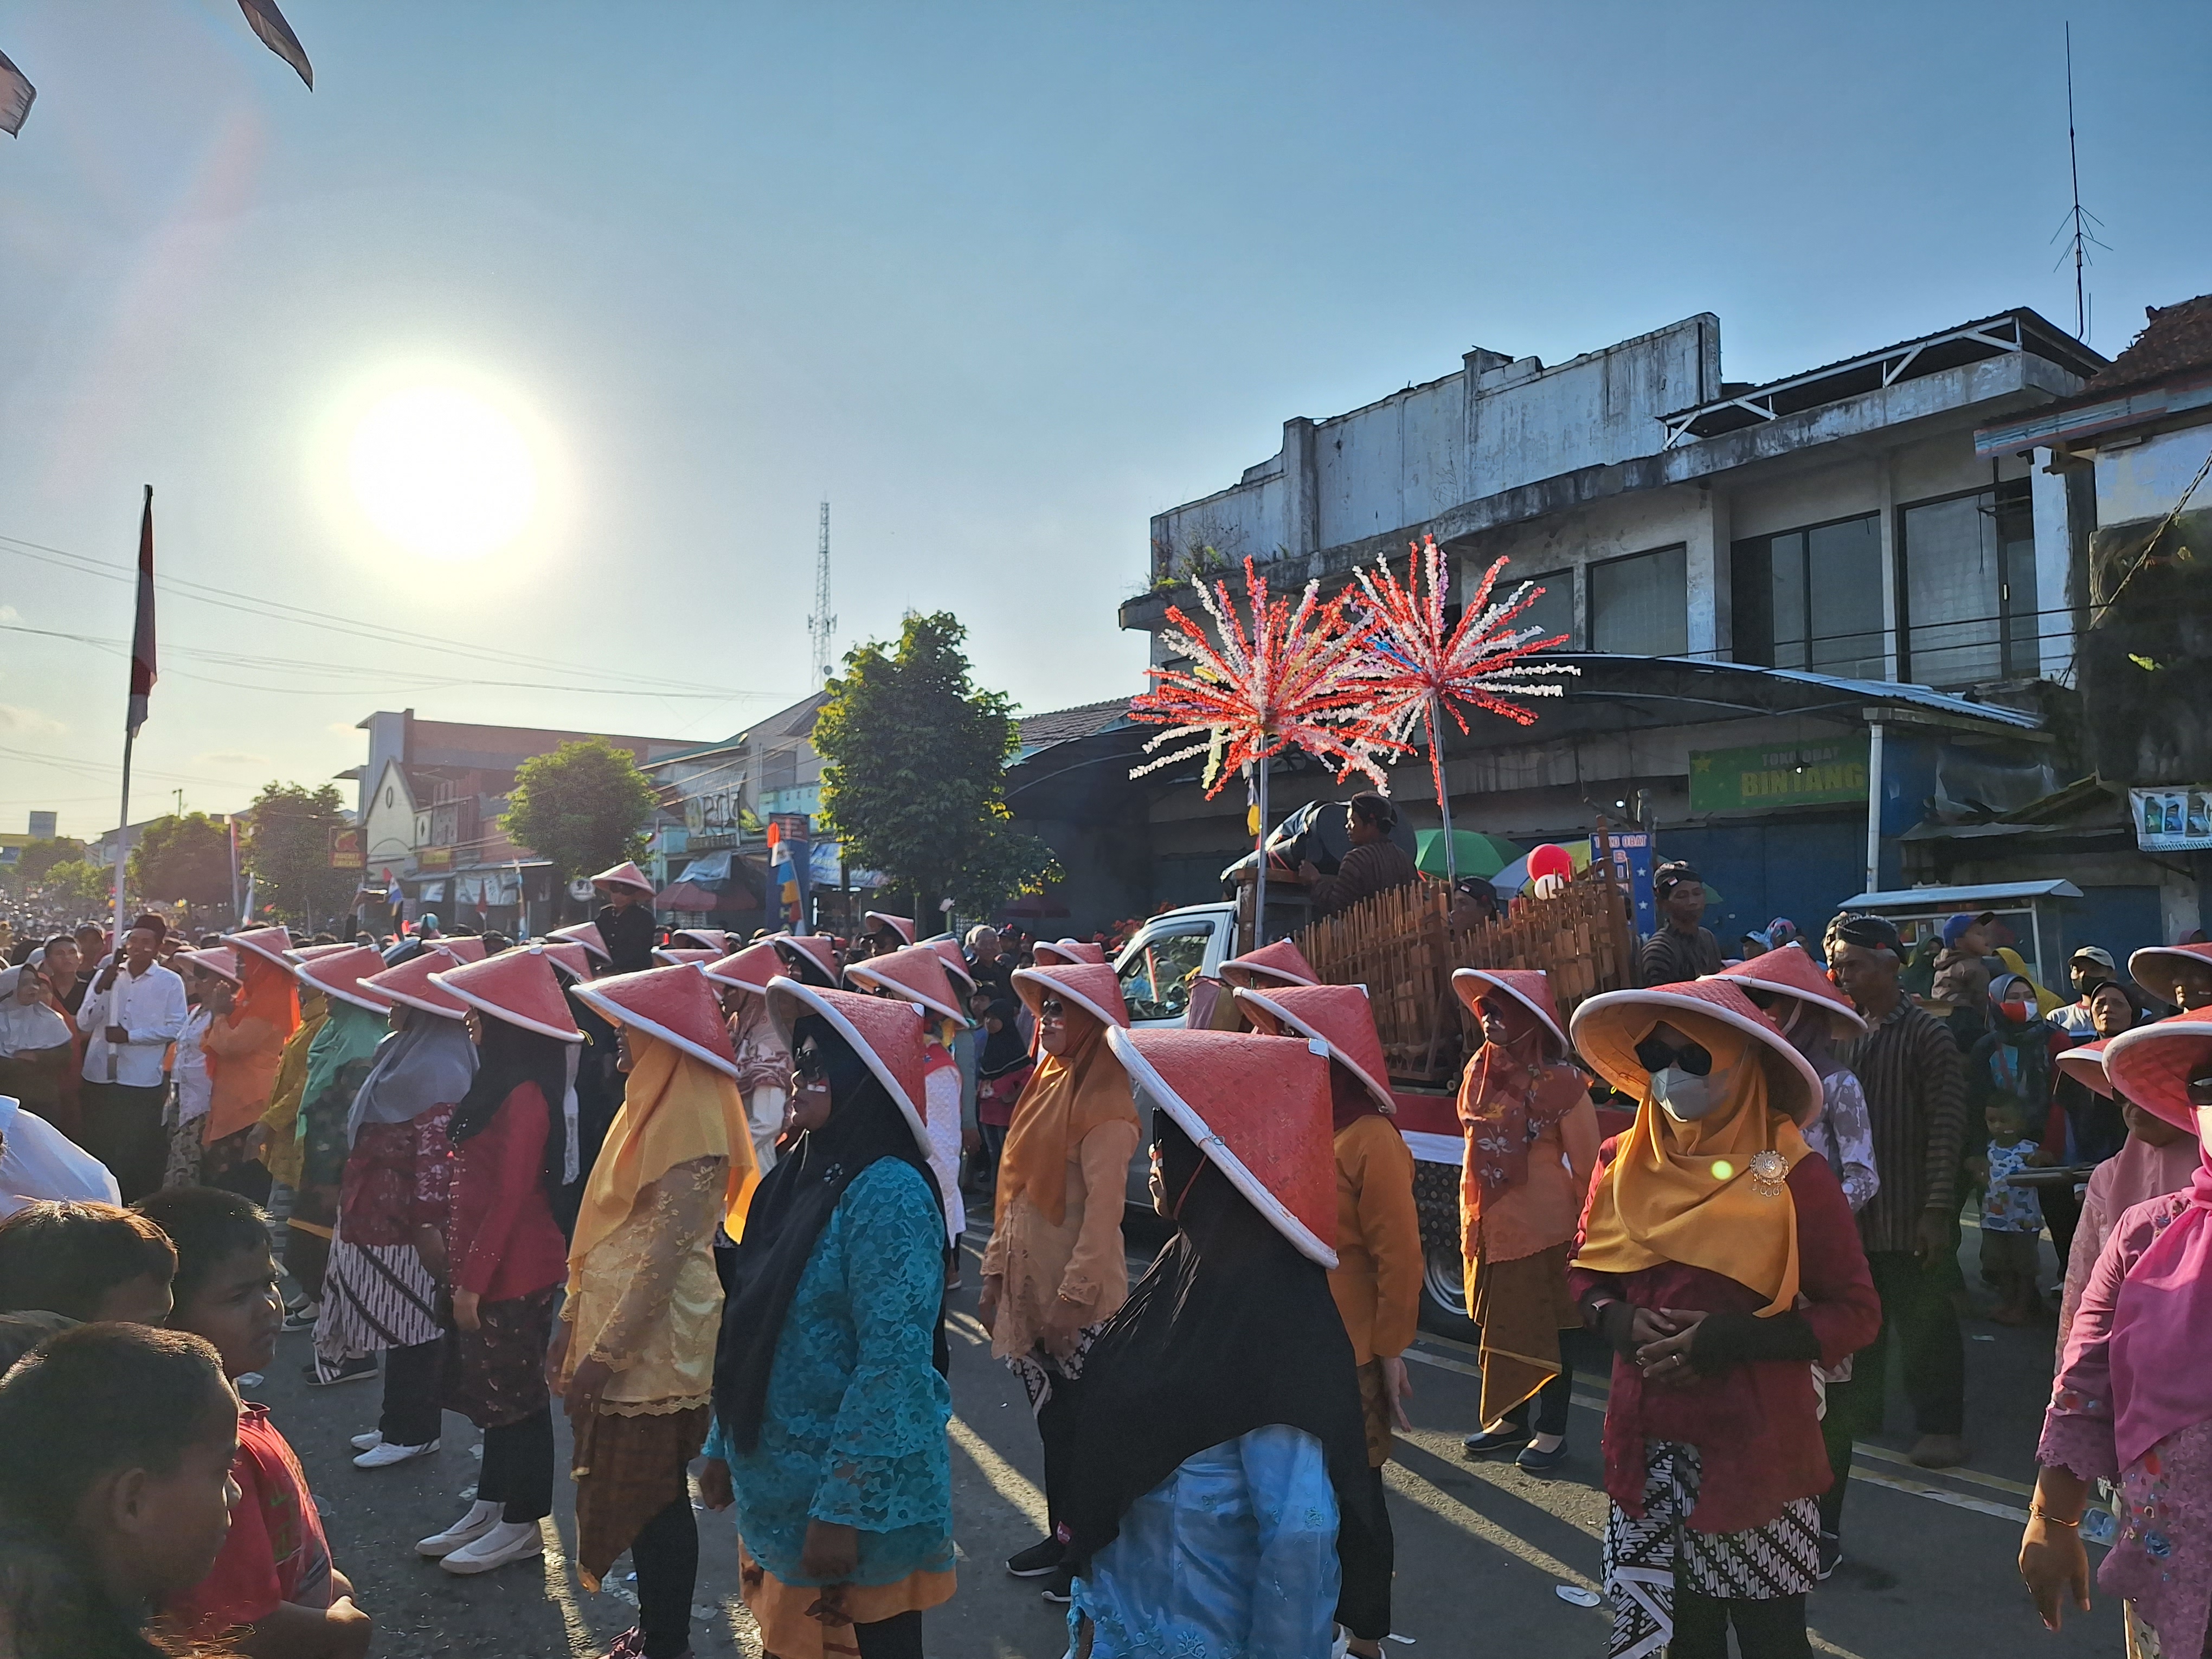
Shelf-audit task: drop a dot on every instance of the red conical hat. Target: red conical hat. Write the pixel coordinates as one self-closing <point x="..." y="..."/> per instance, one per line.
<point x="1529" y="987"/>
<point x="2153" y="1064"/>
<point x="1091" y="985"/>
<point x="2086" y="1066"/>
<point x="955" y="964"/>
<point x="1258" y="1107"/>
<point x="219" y="960"/>
<point x="1789" y="972"/>
<point x="1067" y="950"/>
<point x="585" y="933"/>
<point x="916" y="973"/>
<point x="815" y="947"/>
<point x="1279" y="963"/>
<point x="676" y="1005"/>
<point x="342" y="973"/>
<point x="902" y="926"/>
<point x="462" y="947"/>
<point x="2153" y="967"/>
<point x="624" y="874"/>
<point x="748" y="969"/>
<point x="888" y="1035"/>
<point x="516" y="986"/>
<point x="316" y="952"/>
<point x="1602" y="1025"/>
<point x="273" y="944"/>
<point x="1338" y="1014"/>
<point x="702" y="939"/>
<point x="567" y="957"/>
<point x="681" y="956"/>
<point x="410" y="982"/>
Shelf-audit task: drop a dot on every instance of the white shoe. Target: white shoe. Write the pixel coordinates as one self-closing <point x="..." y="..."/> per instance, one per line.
<point x="509" y="1540"/>
<point x="480" y="1519"/>
<point x="363" y="1442"/>
<point x="384" y="1454"/>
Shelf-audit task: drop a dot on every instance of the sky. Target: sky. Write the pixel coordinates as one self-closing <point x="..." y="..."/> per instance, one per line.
<point x="1000" y="282"/>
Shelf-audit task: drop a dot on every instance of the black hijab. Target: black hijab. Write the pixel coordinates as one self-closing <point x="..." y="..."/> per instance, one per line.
<point x="1229" y="1330"/>
<point x="600" y="1085"/>
<point x="506" y="1058"/>
<point x="789" y="1210"/>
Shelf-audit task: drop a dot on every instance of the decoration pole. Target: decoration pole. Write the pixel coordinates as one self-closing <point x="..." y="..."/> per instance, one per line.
<point x="1443" y="800"/>
<point x="1260" y="875"/>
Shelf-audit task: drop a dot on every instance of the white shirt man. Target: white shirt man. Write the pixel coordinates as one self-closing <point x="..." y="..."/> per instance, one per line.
<point x="146" y="1004"/>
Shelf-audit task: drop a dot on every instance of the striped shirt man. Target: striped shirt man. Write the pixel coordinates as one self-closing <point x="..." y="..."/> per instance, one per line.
<point x="1916" y="1094"/>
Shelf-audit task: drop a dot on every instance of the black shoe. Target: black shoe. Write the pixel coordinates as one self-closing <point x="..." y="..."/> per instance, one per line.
<point x="1038" y="1560"/>
<point x="1832" y="1552"/>
<point x="1482" y="1445"/>
<point x="1061" y="1588"/>
<point x="1541" y="1462"/>
<point x="351" y="1371"/>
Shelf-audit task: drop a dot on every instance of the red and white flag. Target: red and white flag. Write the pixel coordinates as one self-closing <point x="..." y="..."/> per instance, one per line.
<point x="16" y="92"/>
<point x="265" y="20"/>
<point x="141" y="635"/>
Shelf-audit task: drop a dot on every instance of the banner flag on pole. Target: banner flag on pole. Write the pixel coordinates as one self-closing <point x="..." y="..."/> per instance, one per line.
<point x="277" y="34"/>
<point x="16" y="94"/>
<point x="142" y="636"/>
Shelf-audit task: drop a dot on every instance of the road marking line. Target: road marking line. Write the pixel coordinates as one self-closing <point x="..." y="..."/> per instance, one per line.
<point x="1009" y="1482"/>
<point x="1956" y="1500"/>
<point x="562" y="1594"/>
<point x="1440" y="1503"/>
<point x="967" y="1325"/>
<point x="1996" y="1481"/>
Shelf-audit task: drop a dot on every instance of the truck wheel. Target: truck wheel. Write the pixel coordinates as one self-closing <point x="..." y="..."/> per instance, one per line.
<point x="1443" y="1297"/>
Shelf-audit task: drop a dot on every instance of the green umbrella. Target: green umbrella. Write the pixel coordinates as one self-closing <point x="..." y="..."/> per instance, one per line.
<point x="1475" y="854"/>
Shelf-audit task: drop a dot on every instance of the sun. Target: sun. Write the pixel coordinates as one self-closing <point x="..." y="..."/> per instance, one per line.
<point x="442" y="472"/>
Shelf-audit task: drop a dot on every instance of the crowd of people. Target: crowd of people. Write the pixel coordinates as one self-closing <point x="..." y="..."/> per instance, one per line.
<point x="708" y="1198"/>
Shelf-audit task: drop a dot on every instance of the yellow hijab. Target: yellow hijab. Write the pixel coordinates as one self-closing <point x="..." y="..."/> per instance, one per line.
<point x="1067" y="1097"/>
<point x="1689" y="1192"/>
<point x="675" y="1109"/>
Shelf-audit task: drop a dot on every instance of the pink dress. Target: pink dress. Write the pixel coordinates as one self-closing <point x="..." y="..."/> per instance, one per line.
<point x="2162" y="1559"/>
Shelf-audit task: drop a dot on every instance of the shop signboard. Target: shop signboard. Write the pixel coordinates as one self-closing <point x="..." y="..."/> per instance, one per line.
<point x="2177" y="819"/>
<point x="1770" y="775"/>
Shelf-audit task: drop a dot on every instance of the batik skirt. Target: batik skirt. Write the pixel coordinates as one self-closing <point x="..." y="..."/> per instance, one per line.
<point x="1647" y="1558"/>
<point x="374" y="1296"/>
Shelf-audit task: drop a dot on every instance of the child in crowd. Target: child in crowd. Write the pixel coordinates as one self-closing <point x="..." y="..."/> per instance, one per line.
<point x="2012" y="1217"/>
<point x="85" y="1261"/>
<point x="274" y="1575"/>
<point x="116" y="1444"/>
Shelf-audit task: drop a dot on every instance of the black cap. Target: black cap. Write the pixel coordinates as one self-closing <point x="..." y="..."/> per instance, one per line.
<point x="1876" y="933"/>
<point x="1667" y="877"/>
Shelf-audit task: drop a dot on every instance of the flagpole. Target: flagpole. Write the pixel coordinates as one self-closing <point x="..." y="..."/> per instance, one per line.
<point x="142" y="687"/>
<point x="123" y="840"/>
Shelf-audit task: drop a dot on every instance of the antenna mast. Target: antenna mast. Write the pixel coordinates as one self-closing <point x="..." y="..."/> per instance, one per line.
<point x="2075" y="226"/>
<point x="822" y="626"/>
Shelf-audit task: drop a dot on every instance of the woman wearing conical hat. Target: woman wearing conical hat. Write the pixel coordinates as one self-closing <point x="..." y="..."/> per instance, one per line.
<point x="1219" y="1453"/>
<point x="1532" y="1142"/>
<point x="633" y="1352"/>
<point x="1721" y="1262"/>
<point x="741" y="978"/>
<point x="830" y="1407"/>
<point x="356" y="1020"/>
<point x="1055" y="1267"/>
<point x="244" y="1044"/>
<point x="2131" y="1403"/>
<point x="915" y="973"/>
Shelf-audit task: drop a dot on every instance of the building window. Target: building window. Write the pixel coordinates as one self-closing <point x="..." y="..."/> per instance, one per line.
<point x="1811" y="598"/>
<point x="1640" y="606"/>
<point x="778" y="770"/>
<point x="1554" y="610"/>
<point x="1967" y="579"/>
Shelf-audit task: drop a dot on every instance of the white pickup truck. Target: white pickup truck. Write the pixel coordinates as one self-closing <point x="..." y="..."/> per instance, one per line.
<point x="1156" y="969"/>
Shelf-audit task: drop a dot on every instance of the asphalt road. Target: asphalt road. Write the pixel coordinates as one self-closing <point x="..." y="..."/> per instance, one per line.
<point x="1482" y="1548"/>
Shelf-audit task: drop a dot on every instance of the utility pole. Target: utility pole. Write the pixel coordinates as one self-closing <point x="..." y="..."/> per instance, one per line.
<point x="822" y="626"/>
<point x="2074" y="228"/>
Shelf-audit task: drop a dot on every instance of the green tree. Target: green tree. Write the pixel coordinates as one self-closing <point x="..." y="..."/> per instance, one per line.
<point x="36" y="857"/>
<point x="80" y="884"/>
<point x="288" y="853"/>
<point x="914" y="777"/>
<point x="185" y="858"/>
<point x="581" y="808"/>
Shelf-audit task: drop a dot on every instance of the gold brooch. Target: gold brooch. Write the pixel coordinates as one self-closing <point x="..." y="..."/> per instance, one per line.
<point x="1769" y="1172"/>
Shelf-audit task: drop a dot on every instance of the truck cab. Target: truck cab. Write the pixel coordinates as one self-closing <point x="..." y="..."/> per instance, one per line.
<point x="1170" y="951"/>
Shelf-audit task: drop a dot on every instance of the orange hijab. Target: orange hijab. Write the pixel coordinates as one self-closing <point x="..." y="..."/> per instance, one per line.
<point x="1068" y="1096"/>
<point x="675" y="1109"/>
<point x="263" y="1016"/>
<point x="1707" y="1193"/>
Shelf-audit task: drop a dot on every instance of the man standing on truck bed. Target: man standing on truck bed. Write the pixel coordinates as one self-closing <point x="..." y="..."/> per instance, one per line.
<point x="1681" y="950"/>
<point x="1374" y="865"/>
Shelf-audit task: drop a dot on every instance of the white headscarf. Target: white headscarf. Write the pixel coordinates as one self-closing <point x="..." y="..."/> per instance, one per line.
<point x="27" y="1028"/>
<point x="427" y="1064"/>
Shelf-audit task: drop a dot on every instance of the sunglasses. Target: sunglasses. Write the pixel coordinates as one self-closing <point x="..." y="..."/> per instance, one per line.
<point x="810" y="1063"/>
<point x="2200" y="1092"/>
<point x="1052" y="1008"/>
<point x="1656" y="1055"/>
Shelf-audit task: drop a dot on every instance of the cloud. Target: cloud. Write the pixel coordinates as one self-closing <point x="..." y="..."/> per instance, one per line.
<point x="21" y="722"/>
<point x="231" y="758"/>
<point x="9" y="614"/>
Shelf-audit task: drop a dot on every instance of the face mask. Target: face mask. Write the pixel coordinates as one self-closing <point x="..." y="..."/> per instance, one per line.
<point x="1685" y="1097"/>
